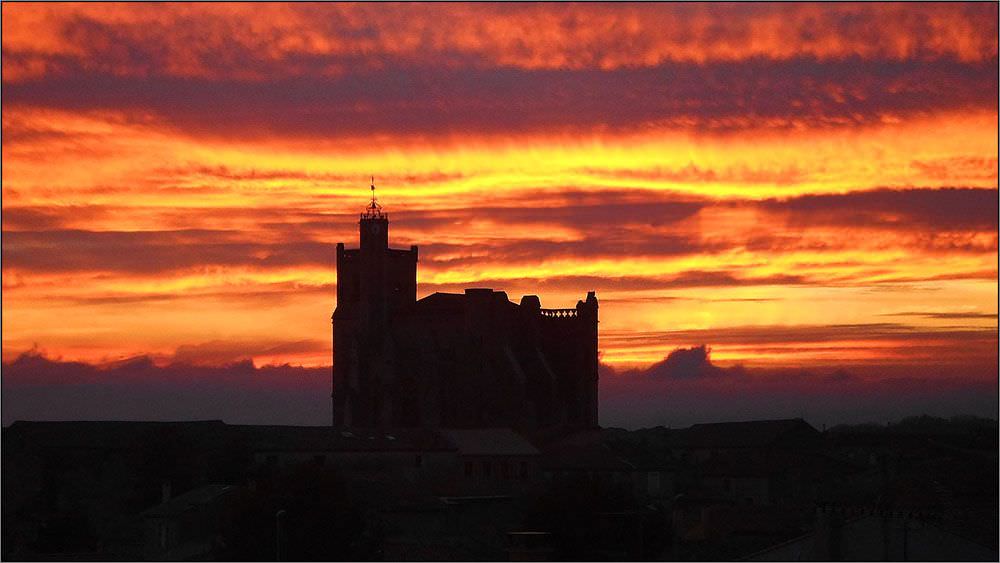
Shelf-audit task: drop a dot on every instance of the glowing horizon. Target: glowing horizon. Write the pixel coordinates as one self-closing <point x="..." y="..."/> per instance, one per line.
<point x="800" y="186"/>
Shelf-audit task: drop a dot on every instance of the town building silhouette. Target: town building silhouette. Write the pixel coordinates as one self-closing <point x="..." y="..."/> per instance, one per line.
<point x="472" y="360"/>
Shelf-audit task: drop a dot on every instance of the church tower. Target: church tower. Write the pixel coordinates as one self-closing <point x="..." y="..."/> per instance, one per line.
<point x="453" y="360"/>
<point x="373" y="282"/>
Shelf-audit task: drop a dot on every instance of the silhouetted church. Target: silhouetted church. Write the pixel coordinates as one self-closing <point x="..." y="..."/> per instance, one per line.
<point x="453" y="360"/>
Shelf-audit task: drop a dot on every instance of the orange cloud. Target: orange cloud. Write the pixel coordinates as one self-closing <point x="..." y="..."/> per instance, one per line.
<point x="257" y="42"/>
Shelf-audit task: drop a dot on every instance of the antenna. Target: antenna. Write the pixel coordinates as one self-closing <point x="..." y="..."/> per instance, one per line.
<point x="373" y="191"/>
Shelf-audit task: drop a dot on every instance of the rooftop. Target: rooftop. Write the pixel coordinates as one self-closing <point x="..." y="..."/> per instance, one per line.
<point x="490" y="442"/>
<point x="749" y="434"/>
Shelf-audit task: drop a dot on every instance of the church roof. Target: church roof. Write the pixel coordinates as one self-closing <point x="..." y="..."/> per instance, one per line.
<point x="451" y="303"/>
<point x="441" y="303"/>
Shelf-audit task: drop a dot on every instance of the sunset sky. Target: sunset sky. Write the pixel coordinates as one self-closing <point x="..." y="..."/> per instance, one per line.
<point x="806" y="189"/>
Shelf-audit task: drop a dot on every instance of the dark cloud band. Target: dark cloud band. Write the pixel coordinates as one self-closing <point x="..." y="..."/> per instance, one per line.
<point x="722" y="97"/>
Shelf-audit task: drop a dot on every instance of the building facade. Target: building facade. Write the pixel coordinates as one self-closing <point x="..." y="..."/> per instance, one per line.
<point x="469" y="360"/>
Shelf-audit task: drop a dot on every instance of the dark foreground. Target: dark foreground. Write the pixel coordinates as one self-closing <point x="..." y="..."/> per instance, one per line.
<point x="923" y="489"/>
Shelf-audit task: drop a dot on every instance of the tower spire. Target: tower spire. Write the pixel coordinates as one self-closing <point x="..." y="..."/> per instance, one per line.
<point x="374" y="210"/>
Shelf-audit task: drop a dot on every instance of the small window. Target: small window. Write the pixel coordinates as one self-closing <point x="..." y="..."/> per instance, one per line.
<point x="504" y="470"/>
<point x="468" y="469"/>
<point x="486" y="469"/>
<point x="524" y="470"/>
<point x="418" y="460"/>
<point x="319" y="459"/>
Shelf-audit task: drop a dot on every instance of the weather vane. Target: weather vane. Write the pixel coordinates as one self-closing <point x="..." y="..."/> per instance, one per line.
<point x="374" y="209"/>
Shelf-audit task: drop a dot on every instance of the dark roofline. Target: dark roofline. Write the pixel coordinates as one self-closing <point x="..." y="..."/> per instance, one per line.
<point x="408" y="449"/>
<point x="758" y="421"/>
<point x="151" y="422"/>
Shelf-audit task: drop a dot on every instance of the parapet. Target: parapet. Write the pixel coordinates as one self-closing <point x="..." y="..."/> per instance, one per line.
<point x="586" y="308"/>
<point x="559" y="313"/>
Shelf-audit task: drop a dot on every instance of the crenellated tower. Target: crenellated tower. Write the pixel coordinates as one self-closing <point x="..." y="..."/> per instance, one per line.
<point x="373" y="282"/>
